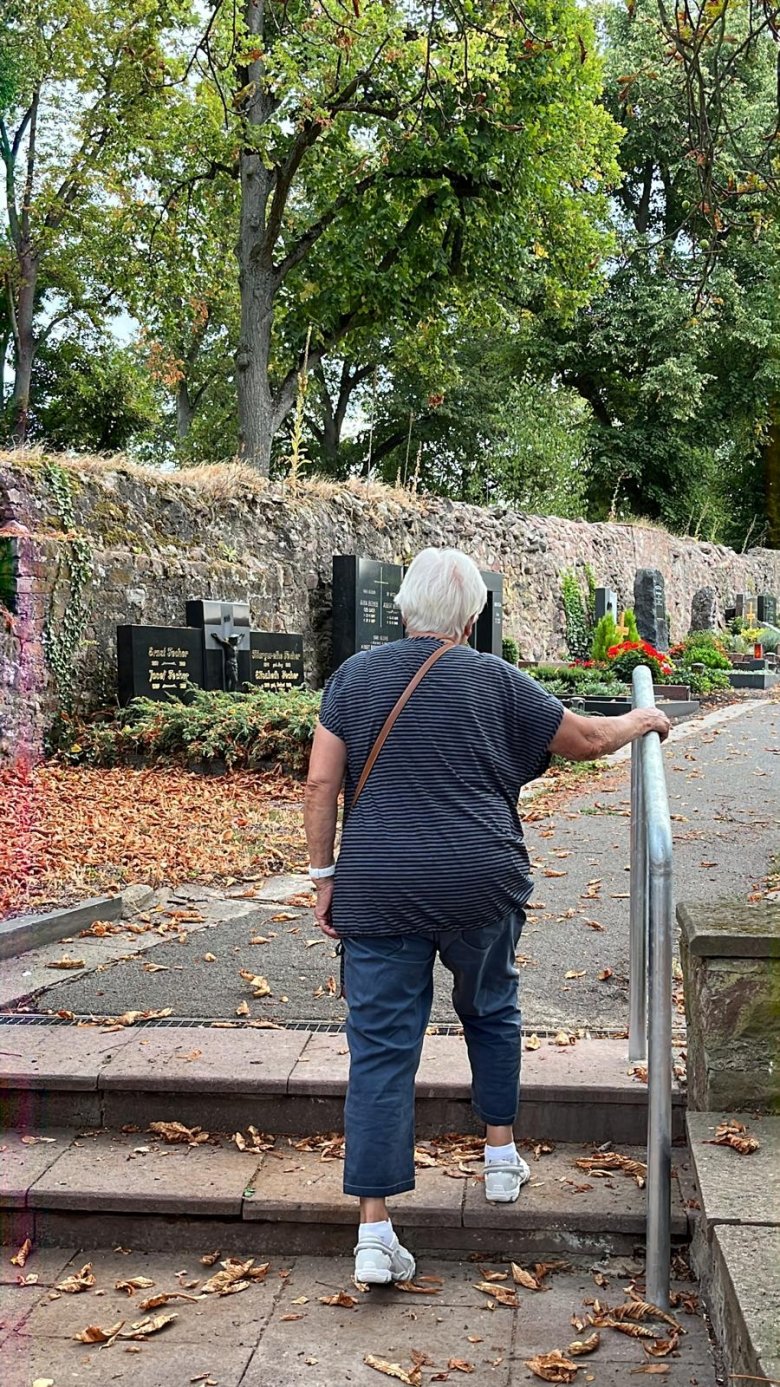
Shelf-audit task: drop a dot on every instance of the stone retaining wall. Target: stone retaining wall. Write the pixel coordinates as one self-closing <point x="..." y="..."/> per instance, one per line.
<point x="97" y="545"/>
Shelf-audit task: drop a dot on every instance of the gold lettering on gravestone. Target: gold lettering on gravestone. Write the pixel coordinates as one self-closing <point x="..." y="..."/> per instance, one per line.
<point x="167" y="667"/>
<point x="274" y="669"/>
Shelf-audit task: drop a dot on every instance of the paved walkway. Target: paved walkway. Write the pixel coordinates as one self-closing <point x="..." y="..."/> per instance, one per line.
<point x="286" y="1331"/>
<point x="723" y="774"/>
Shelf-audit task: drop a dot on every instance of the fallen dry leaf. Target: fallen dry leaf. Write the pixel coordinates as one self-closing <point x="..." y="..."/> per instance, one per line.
<point x="502" y="1294"/>
<point x="460" y="1365"/>
<point x="43" y="1382"/>
<point x="494" y="1275"/>
<point x="575" y="973"/>
<point x="634" y="1331"/>
<point x="66" y="962"/>
<point x="302" y="898"/>
<point x="607" y="1161"/>
<point x="28" y="1140"/>
<point x="175" y="1133"/>
<point x="287" y="1318"/>
<point x="209" y="1258"/>
<point x="260" y="939"/>
<point x="93" y="1334"/>
<point x="532" y="1042"/>
<point x="78" y="1281"/>
<point x="234" y="1276"/>
<point x="260" y="985"/>
<point x="582" y="1346"/>
<point x="552" y="1367"/>
<point x="524" y="1278"/>
<point x="209" y="958"/>
<point x="735" y="1135"/>
<point x="414" y="1287"/>
<point x="143" y="1328"/>
<point x="604" y="975"/>
<point x="19" y="1258"/>
<point x="342" y="1299"/>
<point x="637" y="1309"/>
<point x="395" y="1370"/>
<point x="656" y="1369"/>
<point x="242" y="1009"/>
<point x="662" y="1347"/>
<point x="134" y="1283"/>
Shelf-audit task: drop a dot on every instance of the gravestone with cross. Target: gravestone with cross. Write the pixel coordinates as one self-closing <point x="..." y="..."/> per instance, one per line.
<point x="364" y="614"/>
<point x="225" y="637"/>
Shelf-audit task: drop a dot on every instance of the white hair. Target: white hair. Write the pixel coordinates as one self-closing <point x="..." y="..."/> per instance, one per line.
<point x="442" y="592"/>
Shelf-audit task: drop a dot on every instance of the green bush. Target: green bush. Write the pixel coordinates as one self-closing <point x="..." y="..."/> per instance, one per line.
<point x="510" y="650"/>
<point x="605" y="636"/>
<point x="624" y="665"/>
<point x="247" y="730"/>
<point x="575" y="679"/>
<point x="770" y="638"/>
<point x="578" y="627"/>
<point x="702" y="681"/>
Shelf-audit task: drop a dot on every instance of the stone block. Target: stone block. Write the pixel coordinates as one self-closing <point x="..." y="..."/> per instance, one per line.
<point x="705" y="610"/>
<point x="650" y="607"/>
<point x="730" y="955"/>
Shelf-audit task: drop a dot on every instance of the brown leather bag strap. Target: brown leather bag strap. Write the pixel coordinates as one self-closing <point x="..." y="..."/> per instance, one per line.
<point x="389" y="721"/>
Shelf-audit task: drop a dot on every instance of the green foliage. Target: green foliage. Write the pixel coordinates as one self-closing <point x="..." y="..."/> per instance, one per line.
<point x="567" y="680"/>
<point x="90" y="396"/>
<point x="248" y="730"/>
<point x="703" y="681"/>
<point x="770" y="638"/>
<point x="704" y="648"/>
<point x="578" y="634"/>
<point x="604" y="636"/>
<point x="510" y="650"/>
<point x="629" y="621"/>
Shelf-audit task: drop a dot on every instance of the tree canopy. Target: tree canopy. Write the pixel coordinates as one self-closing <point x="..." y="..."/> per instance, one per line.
<point x="505" y="252"/>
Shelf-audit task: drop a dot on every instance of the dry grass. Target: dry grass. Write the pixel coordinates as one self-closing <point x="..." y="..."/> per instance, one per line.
<point x="215" y="481"/>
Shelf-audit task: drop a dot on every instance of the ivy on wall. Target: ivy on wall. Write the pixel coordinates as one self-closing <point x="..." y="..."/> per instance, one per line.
<point x="576" y="615"/>
<point x="62" y="638"/>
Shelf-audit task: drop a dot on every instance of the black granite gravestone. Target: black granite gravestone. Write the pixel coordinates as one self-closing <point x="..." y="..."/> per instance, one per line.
<point x="158" y="661"/>
<point x="364" y="614"/>
<point x="704" y="610"/>
<point x="745" y="606"/>
<point x="766" y="608"/>
<point x="488" y="632"/>
<point x="224" y="630"/>
<point x="605" y="601"/>
<point x="650" y="607"/>
<point x="276" y="661"/>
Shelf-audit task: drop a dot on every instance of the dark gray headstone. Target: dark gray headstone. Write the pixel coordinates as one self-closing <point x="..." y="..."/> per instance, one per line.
<point x="650" y="607"/>
<point x="606" y="601"/>
<point x="157" y="661"/>
<point x="488" y="632"/>
<point x="766" y="606"/>
<point x="705" y="610"/>
<point x="224" y="628"/>
<point x="276" y="660"/>
<point x="745" y="606"/>
<point x="364" y="614"/>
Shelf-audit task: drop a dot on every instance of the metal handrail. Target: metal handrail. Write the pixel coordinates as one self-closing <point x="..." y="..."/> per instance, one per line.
<point x="650" y="1017"/>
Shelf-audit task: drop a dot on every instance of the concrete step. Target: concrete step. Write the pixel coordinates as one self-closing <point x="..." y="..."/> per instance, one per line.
<point x="289" y="1329"/>
<point x="100" y="1188"/>
<point x="290" y="1081"/>
<point x="735" y="1207"/>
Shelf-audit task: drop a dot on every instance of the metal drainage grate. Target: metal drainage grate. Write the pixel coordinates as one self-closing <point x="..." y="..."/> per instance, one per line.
<point x="37" y="1018"/>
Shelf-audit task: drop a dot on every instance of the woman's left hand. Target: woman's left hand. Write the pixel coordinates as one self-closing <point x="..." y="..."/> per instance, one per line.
<point x="322" y="910"/>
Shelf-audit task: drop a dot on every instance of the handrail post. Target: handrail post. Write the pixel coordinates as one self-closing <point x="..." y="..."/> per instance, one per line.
<point x="652" y="908"/>
<point x="637" y="995"/>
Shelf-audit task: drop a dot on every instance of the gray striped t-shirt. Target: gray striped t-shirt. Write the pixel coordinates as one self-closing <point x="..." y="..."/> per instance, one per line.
<point x="435" y="841"/>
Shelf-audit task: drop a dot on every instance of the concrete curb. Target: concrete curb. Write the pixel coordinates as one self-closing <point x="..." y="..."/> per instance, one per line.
<point x="26" y="932"/>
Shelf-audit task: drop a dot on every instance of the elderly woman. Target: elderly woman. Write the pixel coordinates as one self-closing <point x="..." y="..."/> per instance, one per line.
<point x="432" y="861"/>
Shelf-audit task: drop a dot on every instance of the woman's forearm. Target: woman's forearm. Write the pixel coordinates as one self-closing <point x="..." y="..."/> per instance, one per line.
<point x="319" y="820"/>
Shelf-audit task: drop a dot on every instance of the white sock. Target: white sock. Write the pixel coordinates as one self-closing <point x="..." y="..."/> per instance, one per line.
<point x="383" y="1230"/>
<point x="506" y="1154"/>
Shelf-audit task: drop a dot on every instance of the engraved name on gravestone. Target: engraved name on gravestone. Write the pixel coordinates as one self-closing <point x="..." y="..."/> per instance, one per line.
<point x="766" y="608"/>
<point x="606" y="601"/>
<point x="276" y="661"/>
<point x="488" y="632"/>
<point x="224" y="628"/>
<point x="364" y="614"/>
<point x="650" y="607"/>
<point x="157" y="661"/>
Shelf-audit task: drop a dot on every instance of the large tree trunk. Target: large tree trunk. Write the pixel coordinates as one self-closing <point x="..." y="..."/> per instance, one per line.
<point x="185" y="409"/>
<point x="256" y="277"/>
<point x="772" y="479"/>
<point x="24" y="340"/>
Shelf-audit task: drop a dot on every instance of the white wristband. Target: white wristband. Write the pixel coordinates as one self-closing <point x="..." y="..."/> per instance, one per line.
<point x="318" y="873"/>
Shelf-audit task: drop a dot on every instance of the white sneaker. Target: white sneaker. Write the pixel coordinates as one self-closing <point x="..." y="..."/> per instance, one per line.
<point x="504" y="1180"/>
<point x="376" y="1263"/>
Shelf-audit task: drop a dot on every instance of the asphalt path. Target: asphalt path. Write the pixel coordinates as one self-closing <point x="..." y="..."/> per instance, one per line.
<point x="723" y="777"/>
